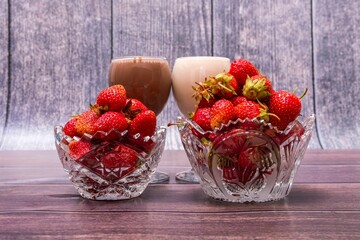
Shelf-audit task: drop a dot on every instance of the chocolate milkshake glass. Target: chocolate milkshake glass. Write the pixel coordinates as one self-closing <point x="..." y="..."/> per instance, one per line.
<point x="147" y="79"/>
<point x="187" y="71"/>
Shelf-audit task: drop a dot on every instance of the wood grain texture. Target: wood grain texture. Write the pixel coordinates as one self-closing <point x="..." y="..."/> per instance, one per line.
<point x="172" y="198"/>
<point x="4" y="64"/>
<point x="307" y="213"/>
<point x="163" y="28"/>
<point x="313" y="209"/>
<point x="305" y="174"/>
<point x="275" y="36"/>
<point x="337" y="69"/>
<point x="59" y="58"/>
<point x="162" y="225"/>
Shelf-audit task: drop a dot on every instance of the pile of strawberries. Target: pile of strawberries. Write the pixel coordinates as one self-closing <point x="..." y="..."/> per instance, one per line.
<point x="237" y="101"/>
<point x="243" y="93"/>
<point x="121" y="126"/>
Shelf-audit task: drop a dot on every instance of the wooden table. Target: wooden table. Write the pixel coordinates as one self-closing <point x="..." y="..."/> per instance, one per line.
<point x="37" y="201"/>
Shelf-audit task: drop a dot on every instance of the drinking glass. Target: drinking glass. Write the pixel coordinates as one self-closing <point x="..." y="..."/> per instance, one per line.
<point x="186" y="72"/>
<point x="147" y="79"/>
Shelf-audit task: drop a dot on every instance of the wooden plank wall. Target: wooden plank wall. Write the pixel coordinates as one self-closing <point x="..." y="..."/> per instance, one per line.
<point x="60" y="53"/>
<point x="4" y="64"/>
<point x="337" y="72"/>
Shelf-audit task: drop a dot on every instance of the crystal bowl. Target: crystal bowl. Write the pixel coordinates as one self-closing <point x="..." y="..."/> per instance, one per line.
<point x="113" y="169"/>
<point x="254" y="165"/>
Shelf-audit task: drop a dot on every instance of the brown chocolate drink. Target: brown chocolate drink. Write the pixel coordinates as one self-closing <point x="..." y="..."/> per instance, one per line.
<point x="147" y="79"/>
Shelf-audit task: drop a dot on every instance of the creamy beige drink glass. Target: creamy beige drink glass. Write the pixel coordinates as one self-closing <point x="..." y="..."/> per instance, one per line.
<point x="187" y="71"/>
<point x="147" y="79"/>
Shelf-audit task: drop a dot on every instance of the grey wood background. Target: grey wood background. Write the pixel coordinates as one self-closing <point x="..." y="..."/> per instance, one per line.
<point x="55" y="56"/>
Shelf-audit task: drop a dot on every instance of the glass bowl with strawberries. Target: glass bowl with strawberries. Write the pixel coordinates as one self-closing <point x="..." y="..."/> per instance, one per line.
<point x="245" y="143"/>
<point x="111" y="150"/>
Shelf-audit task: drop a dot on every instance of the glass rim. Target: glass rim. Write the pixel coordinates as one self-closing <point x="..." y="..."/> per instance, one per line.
<point x="138" y="58"/>
<point x="202" y="58"/>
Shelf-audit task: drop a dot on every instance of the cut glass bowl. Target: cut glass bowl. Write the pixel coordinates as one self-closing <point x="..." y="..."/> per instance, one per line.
<point x="240" y="165"/>
<point x="105" y="172"/>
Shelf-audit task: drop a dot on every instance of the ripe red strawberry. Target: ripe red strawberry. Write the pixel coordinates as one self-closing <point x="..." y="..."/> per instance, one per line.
<point x="133" y="107"/>
<point x="202" y="118"/>
<point x="112" y="98"/>
<point x="226" y="148"/>
<point x="238" y="99"/>
<point x="120" y="157"/>
<point x="77" y="149"/>
<point x="234" y="87"/>
<point x="296" y="131"/>
<point x="144" y="124"/>
<point x="247" y="164"/>
<point x="286" y="106"/>
<point x="85" y="122"/>
<point x="111" y="120"/>
<point x="229" y="173"/>
<point x="221" y="113"/>
<point x="233" y="143"/>
<point x="130" y="160"/>
<point x="258" y="87"/>
<point x="70" y="127"/>
<point x="251" y="109"/>
<point x="206" y="103"/>
<point x="248" y="111"/>
<point x="242" y="68"/>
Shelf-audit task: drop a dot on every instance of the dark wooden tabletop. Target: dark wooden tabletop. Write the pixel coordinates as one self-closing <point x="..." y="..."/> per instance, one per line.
<point x="37" y="201"/>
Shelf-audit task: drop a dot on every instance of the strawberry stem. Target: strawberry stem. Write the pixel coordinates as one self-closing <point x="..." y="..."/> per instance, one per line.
<point x="304" y="93"/>
<point x="175" y="124"/>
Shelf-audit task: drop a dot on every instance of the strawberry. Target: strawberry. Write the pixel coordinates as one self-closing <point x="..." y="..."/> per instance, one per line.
<point x="111" y="120"/>
<point x="77" y="149"/>
<point x="229" y="173"/>
<point x="286" y="106"/>
<point x="247" y="164"/>
<point x="257" y="87"/>
<point x="234" y="140"/>
<point x="221" y="113"/>
<point x="233" y="86"/>
<point x="70" y="127"/>
<point x="85" y="122"/>
<point x="144" y="124"/>
<point x="112" y="98"/>
<point x="226" y="148"/>
<point x="249" y="110"/>
<point x="120" y="157"/>
<point x="238" y="99"/>
<point x="202" y="118"/>
<point x="223" y="85"/>
<point x="241" y="69"/>
<point x="130" y="160"/>
<point x="118" y="162"/>
<point x="133" y="107"/>
<point x="206" y="103"/>
<point x="296" y="131"/>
